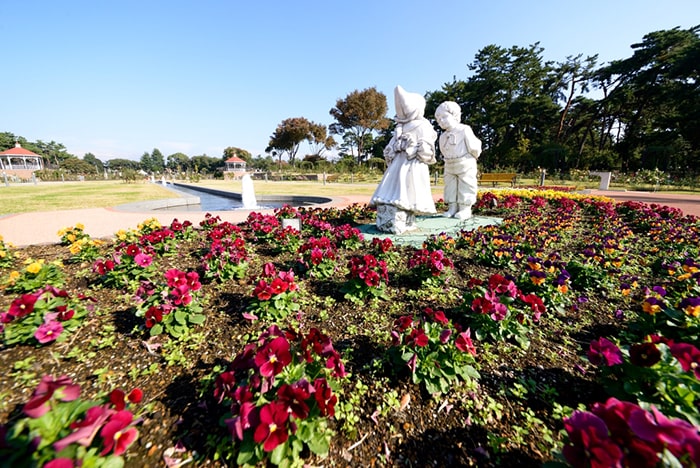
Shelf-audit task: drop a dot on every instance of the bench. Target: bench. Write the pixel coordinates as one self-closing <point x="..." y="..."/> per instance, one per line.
<point x="495" y="177"/>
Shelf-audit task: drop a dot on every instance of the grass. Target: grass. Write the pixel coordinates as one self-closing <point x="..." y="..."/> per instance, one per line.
<point x="51" y="196"/>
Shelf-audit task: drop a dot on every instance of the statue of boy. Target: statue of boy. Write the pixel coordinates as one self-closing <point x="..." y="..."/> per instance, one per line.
<point x="460" y="148"/>
<point x="405" y="190"/>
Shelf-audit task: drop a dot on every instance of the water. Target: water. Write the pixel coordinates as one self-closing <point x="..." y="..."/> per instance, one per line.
<point x="248" y="193"/>
<point x="211" y="202"/>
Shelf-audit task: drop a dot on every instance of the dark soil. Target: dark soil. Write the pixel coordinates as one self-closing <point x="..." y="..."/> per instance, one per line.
<point x="494" y="424"/>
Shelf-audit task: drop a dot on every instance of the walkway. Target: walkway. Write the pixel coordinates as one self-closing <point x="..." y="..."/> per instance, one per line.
<point x="42" y="227"/>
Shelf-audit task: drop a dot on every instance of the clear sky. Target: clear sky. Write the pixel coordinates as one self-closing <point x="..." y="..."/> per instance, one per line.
<point x="119" y="78"/>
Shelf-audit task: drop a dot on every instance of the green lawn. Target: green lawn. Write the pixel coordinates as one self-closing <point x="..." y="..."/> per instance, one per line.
<point x="49" y="196"/>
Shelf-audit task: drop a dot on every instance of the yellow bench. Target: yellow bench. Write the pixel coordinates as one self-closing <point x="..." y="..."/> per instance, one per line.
<point x="496" y="177"/>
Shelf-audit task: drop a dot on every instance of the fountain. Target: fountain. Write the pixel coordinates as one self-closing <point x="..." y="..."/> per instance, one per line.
<point x="248" y="193"/>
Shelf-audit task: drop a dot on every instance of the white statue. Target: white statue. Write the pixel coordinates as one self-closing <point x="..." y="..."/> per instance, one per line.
<point x="460" y="148"/>
<point x="404" y="190"/>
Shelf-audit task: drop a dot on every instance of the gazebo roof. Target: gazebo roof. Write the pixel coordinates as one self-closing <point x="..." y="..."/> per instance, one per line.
<point x="18" y="151"/>
<point x="235" y="159"/>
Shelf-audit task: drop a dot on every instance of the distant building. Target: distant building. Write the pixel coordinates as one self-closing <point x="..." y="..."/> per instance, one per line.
<point x="235" y="168"/>
<point x="20" y="162"/>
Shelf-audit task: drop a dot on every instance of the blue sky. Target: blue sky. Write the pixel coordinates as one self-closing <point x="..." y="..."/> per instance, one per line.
<point x="119" y="78"/>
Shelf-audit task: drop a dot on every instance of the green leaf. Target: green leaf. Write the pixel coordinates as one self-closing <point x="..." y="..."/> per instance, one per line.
<point x="197" y="319"/>
<point x="180" y="317"/>
<point x="278" y="454"/>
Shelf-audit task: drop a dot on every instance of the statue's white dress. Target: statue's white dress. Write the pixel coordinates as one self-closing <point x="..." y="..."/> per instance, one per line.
<point x="406" y="181"/>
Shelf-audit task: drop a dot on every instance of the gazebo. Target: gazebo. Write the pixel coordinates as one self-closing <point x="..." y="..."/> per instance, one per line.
<point x="20" y="162"/>
<point x="235" y="168"/>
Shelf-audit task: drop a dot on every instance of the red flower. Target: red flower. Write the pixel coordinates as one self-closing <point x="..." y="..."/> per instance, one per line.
<point x="23" y="305"/>
<point x="372" y="279"/>
<point x="417" y="337"/>
<point x="272" y="430"/>
<point x="481" y="305"/>
<point x="501" y="285"/>
<point x="403" y="323"/>
<point x="262" y="291"/>
<point x="589" y="442"/>
<point x="65" y="314"/>
<point x="324" y="397"/>
<point x="269" y="270"/>
<point x="132" y="250"/>
<point x="117" y="434"/>
<point x="273" y="357"/>
<point x="644" y="354"/>
<point x="192" y="279"/>
<point x="464" y="343"/>
<point x="119" y="398"/>
<point x="278" y="286"/>
<point x="153" y="315"/>
<point x="294" y="398"/>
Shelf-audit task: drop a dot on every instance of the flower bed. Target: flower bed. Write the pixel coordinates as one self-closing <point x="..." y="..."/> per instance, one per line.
<point x="567" y="333"/>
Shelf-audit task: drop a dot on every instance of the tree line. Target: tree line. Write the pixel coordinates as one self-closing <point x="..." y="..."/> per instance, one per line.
<point x="632" y="114"/>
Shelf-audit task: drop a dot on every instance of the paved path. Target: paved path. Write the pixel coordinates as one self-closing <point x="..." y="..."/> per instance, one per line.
<point x="42" y="227"/>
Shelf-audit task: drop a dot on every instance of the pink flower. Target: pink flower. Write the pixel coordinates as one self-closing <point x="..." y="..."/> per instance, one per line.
<point x="603" y="349"/>
<point x="175" y="278"/>
<point x="246" y="419"/>
<point x="143" y="260"/>
<point x="48" y="331"/>
<point x="118" y="434"/>
<point x="688" y="356"/>
<point x="272" y="430"/>
<point x="60" y="463"/>
<point x="445" y="335"/>
<point x="63" y="387"/>
<point x="84" y="431"/>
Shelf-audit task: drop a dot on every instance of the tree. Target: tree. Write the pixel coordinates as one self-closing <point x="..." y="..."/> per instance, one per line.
<point x="120" y="164"/>
<point x="178" y="162"/>
<point x="74" y="165"/>
<point x="157" y="160"/>
<point x="319" y="139"/>
<point x="510" y="101"/>
<point x="654" y="101"/>
<point x="52" y="152"/>
<point x="206" y="164"/>
<point x="96" y="164"/>
<point x="361" y="113"/>
<point x="146" y="163"/>
<point x="288" y="137"/>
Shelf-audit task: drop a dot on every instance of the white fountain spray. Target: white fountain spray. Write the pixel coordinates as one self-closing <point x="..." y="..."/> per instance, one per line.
<point x="248" y="193"/>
